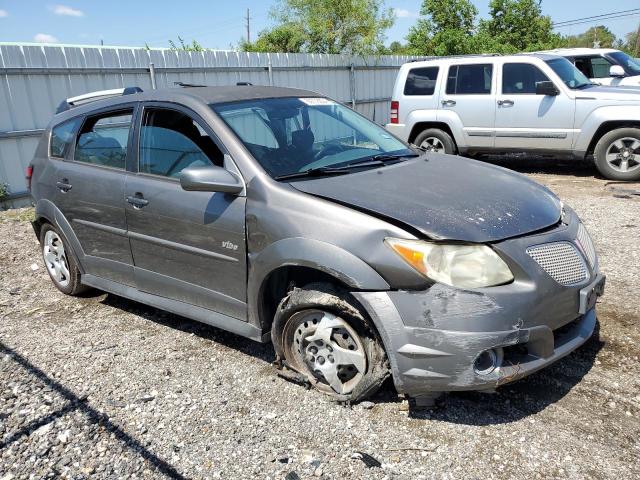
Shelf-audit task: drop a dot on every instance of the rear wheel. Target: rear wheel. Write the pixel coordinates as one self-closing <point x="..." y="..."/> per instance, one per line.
<point x="320" y="333"/>
<point x="58" y="258"/>
<point x="617" y="154"/>
<point x="435" y="140"/>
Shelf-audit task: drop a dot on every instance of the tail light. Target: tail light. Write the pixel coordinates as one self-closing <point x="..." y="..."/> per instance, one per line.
<point x="29" y="175"/>
<point x="394" y="111"/>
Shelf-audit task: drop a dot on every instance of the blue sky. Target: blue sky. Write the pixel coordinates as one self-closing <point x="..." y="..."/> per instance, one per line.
<point x="219" y="24"/>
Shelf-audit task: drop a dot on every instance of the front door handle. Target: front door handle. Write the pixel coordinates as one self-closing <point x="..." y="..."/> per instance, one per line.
<point x="63" y="185"/>
<point x="505" y="102"/>
<point x="448" y="103"/>
<point x="138" y="201"/>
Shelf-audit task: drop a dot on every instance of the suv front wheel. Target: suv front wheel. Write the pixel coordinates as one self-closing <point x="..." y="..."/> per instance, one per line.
<point x="435" y="140"/>
<point x="617" y="154"/>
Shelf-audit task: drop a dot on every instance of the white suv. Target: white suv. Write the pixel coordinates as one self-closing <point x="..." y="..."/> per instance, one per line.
<point x="603" y="65"/>
<point x="533" y="103"/>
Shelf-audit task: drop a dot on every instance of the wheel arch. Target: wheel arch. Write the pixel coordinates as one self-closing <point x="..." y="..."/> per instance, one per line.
<point x="607" y="127"/>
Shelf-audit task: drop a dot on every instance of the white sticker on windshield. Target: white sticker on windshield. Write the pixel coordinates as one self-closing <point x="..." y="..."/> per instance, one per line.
<point x="314" y="102"/>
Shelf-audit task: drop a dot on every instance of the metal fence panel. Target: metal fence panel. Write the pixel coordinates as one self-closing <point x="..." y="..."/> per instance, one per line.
<point x="34" y="79"/>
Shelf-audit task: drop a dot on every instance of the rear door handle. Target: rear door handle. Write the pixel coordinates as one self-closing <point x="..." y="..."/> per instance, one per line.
<point x="137" y="200"/>
<point x="506" y="102"/>
<point x="63" y="185"/>
<point x="448" y="103"/>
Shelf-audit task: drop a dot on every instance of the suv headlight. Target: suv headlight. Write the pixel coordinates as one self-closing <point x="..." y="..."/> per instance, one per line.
<point x="465" y="266"/>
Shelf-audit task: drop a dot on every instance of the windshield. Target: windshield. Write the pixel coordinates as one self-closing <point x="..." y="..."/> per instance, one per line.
<point x="570" y="75"/>
<point x="292" y="135"/>
<point x="631" y="65"/>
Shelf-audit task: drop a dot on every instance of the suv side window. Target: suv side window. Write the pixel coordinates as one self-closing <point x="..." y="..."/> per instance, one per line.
<point x="103" y="139"/>
<point x="62" y="138"/>
<point x="521" y="78"/>
<point x="600" y="67"/>
<point x="171" y="141"/>
<point x="469" y="79"/>
<point x="421" y="81"/>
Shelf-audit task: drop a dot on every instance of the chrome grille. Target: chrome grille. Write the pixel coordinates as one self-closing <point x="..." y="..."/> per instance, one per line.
<point x="585" y="242"/>
<point x="561" y="260"/>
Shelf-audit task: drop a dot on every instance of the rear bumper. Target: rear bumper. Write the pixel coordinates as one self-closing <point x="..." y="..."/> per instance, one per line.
<point x="400" y="130"/>
<point x="427" y="360"/>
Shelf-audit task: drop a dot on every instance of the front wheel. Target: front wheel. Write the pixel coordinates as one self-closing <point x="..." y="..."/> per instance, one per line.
<point x="320" y="333"/>
<point x="617" y="154"/>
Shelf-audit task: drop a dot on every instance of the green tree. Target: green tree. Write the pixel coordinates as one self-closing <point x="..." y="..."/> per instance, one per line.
<point x="518" y="26"/>
<point x="397" y="48"/>
<point x="630" y="44"/>
<point x="448" y="28"/>
<point x="326" y="26"/>
<point x="600" y="34"/>
<point x="194" y="46"/>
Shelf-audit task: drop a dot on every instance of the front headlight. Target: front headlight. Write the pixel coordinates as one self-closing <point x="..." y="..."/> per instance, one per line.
<point x="465" y="266"/>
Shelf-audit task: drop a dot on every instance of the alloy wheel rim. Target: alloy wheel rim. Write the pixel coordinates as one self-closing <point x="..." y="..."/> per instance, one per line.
<point x="55" y="258"/>
<point x="623" y="155"/>
<point x="329" y="349"/>
<point x="432" y="144"/>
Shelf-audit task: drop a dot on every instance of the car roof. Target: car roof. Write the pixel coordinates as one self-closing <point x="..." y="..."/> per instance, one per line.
<point x="481" y="58"/>
<point x="579" y="51"/>
<point x="208" y="95"/>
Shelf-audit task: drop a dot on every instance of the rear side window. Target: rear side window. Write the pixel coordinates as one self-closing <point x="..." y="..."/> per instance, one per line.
<point x="469" y="79"/>
<point x="171" y="141"/>
<point x="62" y="138"/>
<point x="421" y="81"/>
<point x="103" y="140"/>
<point x="521" y="78"/>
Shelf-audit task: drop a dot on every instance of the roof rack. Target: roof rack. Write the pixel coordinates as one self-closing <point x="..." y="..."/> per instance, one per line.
<point x="473" y="55"/>
<point x="69" y="103"/>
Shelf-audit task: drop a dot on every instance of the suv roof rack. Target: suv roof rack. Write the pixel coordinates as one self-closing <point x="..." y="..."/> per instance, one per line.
<point x="69" y="103"/>
<point x="472" y="55"/>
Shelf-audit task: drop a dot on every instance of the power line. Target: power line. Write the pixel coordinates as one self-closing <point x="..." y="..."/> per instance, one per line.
<point x="595" y="17"/>
<point x="597" y="20"/>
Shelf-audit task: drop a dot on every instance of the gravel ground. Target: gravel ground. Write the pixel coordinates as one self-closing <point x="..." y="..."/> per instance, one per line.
<point x="103" y="387"/>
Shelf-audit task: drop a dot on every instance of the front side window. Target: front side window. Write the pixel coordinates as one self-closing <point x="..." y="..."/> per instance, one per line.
<point x="600" y="67"/>
<point x="421" y="81"/>
<point x="103" y="140"/>
<point x="62" y="138"/>
<point x="291" y="135"/>
<point x="521" y="78"/>
<point x="568" y="73"/>
<point x="171" y="141"/>
<point x="469" y="79"/>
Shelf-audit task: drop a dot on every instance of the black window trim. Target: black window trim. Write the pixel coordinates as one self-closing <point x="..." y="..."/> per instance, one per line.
<point x="102" y="112"/>
<point x="69" y="154"/>
<point x="519" y="63"/>
<point x="490" y="92"/>
<point x="177" y="108"/>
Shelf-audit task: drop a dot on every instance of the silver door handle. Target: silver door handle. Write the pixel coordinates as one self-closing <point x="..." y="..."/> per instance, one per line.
<point x="506" y="102"/>
<point x="448" y="103"/>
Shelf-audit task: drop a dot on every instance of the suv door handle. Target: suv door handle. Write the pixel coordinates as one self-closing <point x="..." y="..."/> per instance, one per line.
<point x="506" y="102"/>
<point x="448" y="103"/>
<point x="138" y="201"/>
<point x="63" y="185"/>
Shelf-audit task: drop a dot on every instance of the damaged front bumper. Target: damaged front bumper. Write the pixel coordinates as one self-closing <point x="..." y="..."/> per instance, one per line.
<point x="446" y="339"/>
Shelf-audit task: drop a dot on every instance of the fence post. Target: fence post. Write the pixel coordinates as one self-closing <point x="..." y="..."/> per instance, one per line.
<point x="352" y="84"/>
<point x="152" y="75"/>
<point x="270" y="70"/>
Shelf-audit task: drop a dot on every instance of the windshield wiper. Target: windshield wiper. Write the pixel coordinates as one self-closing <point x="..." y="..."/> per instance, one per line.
<point x="381" y="158"/>
<point x="314" y="172"/>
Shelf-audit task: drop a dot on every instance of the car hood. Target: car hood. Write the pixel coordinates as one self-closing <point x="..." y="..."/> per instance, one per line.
<point x="623" y="93"/>
<point x="445" y="197"/>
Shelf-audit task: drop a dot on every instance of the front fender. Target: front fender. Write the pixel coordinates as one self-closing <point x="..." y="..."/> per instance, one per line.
<point x="304" y="252"/>
<point x="598" y="116"/>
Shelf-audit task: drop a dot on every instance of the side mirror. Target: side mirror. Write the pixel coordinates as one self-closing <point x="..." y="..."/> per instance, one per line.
<point x="616" y="71"/>
<point x="546" y="88"/>
<point x="210" y="179"/>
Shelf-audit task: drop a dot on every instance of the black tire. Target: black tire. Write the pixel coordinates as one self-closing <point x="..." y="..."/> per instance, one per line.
<point x="606" y="145"/>
<point x="324" y="301"/>
<point x="70" y="285"/>
<point x="448" y="145"/>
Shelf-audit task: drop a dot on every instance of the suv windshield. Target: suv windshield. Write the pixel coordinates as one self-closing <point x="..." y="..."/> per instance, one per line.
<point x="569" y="74"/>
<point x="295" y="135"/>
<point x="631" y="66"/>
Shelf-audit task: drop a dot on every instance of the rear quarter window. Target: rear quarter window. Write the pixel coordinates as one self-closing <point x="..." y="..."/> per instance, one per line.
<point x="62" y="138"/>
<point x="421" y="81"/>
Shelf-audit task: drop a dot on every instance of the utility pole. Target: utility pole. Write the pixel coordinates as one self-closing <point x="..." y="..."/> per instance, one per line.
<point x="248" y="27"/>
